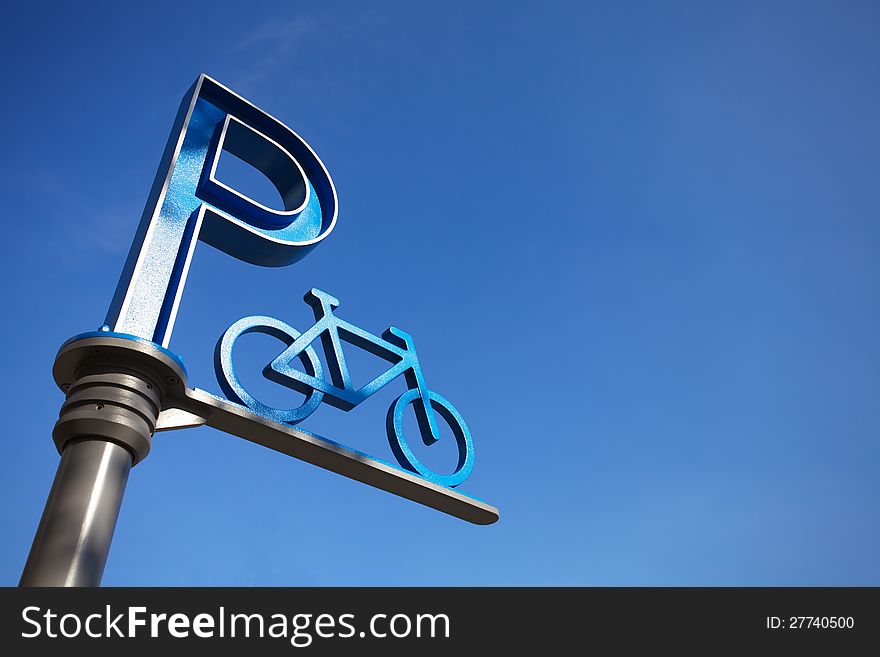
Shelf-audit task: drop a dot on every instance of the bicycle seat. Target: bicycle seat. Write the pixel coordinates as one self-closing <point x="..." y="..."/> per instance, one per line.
<point x="319" y="299"/>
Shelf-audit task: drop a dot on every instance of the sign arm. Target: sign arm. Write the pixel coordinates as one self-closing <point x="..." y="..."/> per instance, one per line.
<point x="240" y="421"/>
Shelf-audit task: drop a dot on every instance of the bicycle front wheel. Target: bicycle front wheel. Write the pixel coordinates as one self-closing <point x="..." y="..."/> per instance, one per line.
<point x="403" y="452"/>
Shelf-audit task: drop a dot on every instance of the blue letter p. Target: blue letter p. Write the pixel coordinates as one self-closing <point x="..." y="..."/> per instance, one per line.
<point x="188" y="203"/>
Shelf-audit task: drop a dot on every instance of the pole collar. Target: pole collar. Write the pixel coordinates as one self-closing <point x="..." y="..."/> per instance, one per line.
<point x="115" y="386"/>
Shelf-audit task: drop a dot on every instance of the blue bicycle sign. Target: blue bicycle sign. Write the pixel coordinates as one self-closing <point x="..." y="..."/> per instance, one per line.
<point x="395" y="346"/>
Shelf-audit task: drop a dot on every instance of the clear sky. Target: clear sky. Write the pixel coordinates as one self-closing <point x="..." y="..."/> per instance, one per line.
<point x="636" y="244"/>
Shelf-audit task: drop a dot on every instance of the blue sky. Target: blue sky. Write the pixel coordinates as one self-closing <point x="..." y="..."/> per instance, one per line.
<point x="636" y="245"/>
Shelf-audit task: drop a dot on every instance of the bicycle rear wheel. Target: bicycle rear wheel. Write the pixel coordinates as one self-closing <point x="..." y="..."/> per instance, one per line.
<point x="232" y="386"/>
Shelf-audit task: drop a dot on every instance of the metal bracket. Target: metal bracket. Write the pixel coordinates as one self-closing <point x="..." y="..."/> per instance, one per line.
<point x="306" y="446"/>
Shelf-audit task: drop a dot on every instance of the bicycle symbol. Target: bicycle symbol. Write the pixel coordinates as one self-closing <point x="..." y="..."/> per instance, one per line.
<point x="395" y="346"/>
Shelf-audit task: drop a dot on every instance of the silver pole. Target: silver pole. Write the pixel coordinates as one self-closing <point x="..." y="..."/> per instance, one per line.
<point x="115" y="387"/>
<point x="74" y="535"/>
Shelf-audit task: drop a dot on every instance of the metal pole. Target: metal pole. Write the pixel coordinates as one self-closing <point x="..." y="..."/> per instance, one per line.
<point x="74" y="535"/>
<point x="115" y="386"/>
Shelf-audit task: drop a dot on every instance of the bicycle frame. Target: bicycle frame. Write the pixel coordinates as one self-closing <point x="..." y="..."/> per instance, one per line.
<point x="395" y="346"/>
